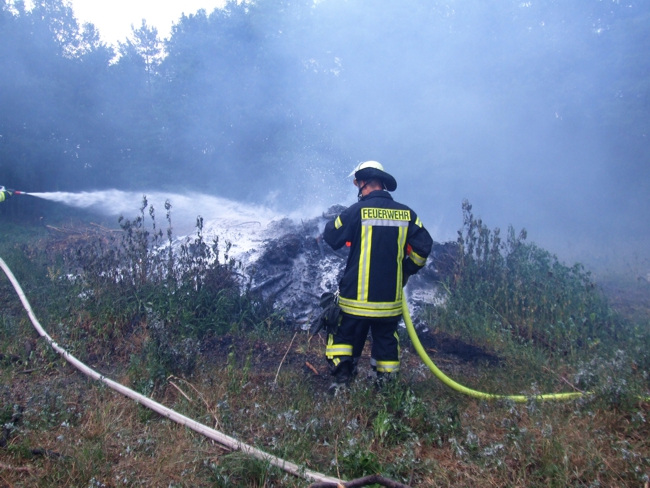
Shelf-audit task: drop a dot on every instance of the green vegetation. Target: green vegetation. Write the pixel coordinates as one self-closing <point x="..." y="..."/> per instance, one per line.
<point x="515" y="291"/>
<point x="526" y="306"/>
<point x="132" y="284"/>
<point x="179" y="328"/>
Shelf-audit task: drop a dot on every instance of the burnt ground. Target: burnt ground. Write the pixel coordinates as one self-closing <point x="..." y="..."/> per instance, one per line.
<point x="307" y="355"/>
<point x="449" y="347"/>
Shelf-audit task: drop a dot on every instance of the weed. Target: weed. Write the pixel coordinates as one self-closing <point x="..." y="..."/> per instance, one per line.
<point x="237" y="376"/>
<point x="135" y="278"/>
<point x="141" y="321"/>
<point x="514" y="291"/>
<point x="357" y="462"/>
<point x="237" y="469"/>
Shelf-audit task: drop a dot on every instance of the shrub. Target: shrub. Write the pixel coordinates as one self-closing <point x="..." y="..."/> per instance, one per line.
<point x="135" y="278"/>
<point x="514" y="290"/>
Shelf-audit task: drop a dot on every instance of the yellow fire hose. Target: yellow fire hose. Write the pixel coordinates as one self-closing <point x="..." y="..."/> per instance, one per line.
<point x="235" y="444"/>
<point x="468" y="391"/>
<point x="480" y="394"/>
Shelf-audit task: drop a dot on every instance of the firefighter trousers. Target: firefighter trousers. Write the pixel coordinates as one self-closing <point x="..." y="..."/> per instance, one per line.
<point x="347" y="344"/>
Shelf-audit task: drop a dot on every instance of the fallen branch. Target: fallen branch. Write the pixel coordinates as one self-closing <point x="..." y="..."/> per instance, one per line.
<point x="310" y="366"/>
<point x="20" y="469"/>
<point x="205" y="402"/>
<point x="51" y="227"/>
<point x="285" y="355"/>
<point x="367" y="480"/>
<point x="28" y="371"/>
<point x="105" y="228"/>
<point x="47" y="453"/>
<point x="563" y="379"/>
<point x="179" y="389"/>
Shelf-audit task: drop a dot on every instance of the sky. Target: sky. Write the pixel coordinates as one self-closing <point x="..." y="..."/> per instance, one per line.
<point x="114" y="18"/>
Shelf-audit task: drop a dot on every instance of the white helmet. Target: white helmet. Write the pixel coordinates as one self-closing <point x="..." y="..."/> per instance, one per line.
<point x="374" y="170"/>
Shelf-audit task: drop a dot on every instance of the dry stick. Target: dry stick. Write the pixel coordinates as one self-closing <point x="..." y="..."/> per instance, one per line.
<point x="23" y="469"/>
<point x="9" y="485"/>
<point x="28" y="371"/>
<point x="220" y="437"/>
<point x="336" y="458"/>
<point x="441" y="360"/>
<point x="613" y="471"/>
<point x="179" y="389"/>
<point x="563" y="379"/>
<point x="105" y="228"/>
<point x="310" y="366"/>
<point x="318" y="338"/>
<point x="207" y="453"/>
<point x="285" y="355"/>
<point x="207" y="405"/>
<point x="365" y="481"/>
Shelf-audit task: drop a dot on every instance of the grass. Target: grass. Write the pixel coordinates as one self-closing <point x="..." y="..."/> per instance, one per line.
<point x="59" y="428"/>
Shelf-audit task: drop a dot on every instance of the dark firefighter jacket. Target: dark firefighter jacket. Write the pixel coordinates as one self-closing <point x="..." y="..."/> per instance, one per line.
<point x="387" y="241"/>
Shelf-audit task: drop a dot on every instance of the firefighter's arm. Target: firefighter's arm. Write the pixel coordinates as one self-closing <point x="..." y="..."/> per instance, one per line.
<point x="337" y="231"/>
<point x="5" y="193"/>
<point x="419" y="244"/>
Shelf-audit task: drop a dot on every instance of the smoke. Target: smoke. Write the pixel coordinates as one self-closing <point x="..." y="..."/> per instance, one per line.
<point x="536" y="112"/>
<point x="523" y="108"/>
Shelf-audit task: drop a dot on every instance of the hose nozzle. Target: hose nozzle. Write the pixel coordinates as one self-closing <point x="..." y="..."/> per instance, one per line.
<point x="11" y="191"/>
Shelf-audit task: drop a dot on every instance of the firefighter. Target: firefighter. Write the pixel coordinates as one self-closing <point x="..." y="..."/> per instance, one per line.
<point x="388" y="243"/>
<point x="4" y="193"/>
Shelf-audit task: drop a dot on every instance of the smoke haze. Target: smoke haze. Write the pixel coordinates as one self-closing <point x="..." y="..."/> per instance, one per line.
<point x="536" y="112"/>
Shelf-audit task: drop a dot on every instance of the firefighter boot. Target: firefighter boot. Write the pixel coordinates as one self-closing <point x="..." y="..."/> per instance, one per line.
<point x="342" y="377"/>
<point x="383" y="379"/>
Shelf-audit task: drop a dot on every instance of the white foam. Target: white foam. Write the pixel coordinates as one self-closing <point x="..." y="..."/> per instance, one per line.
<point x="244" y="226"/>
<point x="185" y="207"/>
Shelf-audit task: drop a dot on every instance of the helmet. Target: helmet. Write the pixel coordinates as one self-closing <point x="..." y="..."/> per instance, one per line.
<point x="371" y="170"/>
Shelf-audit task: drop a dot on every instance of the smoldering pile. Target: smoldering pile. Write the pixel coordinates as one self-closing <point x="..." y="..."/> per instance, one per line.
<point x="287" y="262"/>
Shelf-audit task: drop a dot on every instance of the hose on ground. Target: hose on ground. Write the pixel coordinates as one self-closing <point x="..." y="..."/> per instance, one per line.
<point x="468" y="391"/>
<point x="235" y="444"/>
<point x="215" y="435"/>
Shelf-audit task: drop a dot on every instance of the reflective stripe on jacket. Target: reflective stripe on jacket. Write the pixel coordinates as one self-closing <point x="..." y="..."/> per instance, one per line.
<point x="387" y="240"/>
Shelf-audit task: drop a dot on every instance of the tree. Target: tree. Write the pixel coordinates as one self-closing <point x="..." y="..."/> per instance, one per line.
<point x="145" y="46"/>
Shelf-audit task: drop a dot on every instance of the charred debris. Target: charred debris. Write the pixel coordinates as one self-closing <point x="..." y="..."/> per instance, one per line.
<point x="293" y="267"/>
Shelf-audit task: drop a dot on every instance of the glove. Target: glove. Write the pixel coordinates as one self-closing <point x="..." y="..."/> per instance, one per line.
<point x="329" y="317"/>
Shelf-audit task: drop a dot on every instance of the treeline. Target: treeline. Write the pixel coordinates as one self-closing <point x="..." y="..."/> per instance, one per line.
<point x="259" y="94"/>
